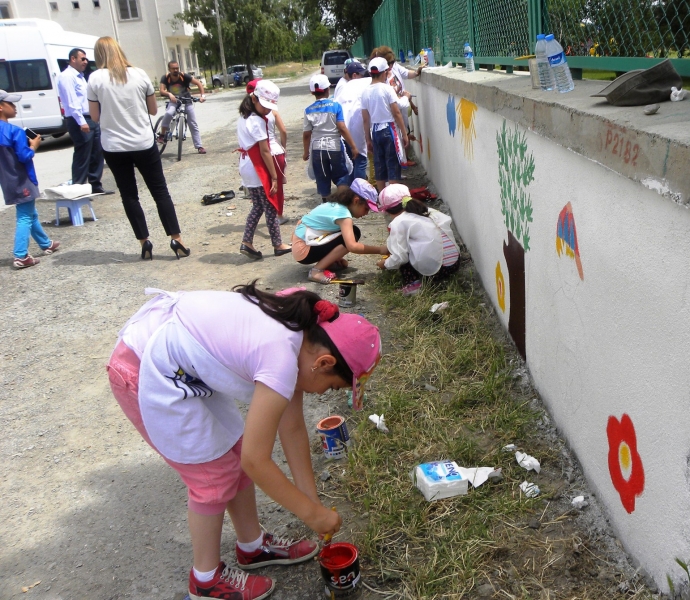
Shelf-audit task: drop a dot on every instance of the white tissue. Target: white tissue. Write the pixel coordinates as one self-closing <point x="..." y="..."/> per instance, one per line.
<point x="379" y="422"/>
<point x="438" y="307"/>
<point x="579" y="502"/>
<point x="527" y="462"/>
<point x="476" y="476"/>
<point x="678" y="95"/>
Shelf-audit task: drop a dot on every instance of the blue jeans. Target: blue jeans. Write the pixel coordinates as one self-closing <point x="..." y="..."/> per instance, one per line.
<point x="329" y="166"/>
<point x="28" y="225"/>
<point x="386" y="163"/>
<point x="359" y="165"/>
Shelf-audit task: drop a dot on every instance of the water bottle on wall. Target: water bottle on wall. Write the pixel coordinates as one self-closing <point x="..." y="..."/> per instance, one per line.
<point x="559" y="65"/>
<point x="410" y="56"/>
<point x="469" y="58"/>
<point x="546" y="80"/>
<point x="430" y="61"/>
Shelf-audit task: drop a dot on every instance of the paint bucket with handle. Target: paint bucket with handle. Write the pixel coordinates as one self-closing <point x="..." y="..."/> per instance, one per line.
<point x="339" y="564"/>
<point x="347" y="295"/>
<point x="334" y="436"/>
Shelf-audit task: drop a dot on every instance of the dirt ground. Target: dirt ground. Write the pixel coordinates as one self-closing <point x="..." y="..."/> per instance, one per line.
<point x="89" y="510"/>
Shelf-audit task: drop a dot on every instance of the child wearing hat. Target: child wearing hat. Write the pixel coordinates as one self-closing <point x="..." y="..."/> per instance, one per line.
<point x="421" y="241"/>
<point x="19" y="183"/>
<point x="324" y="236"/>
<point x="384" y="127"/>
<point x="324" y="125"/>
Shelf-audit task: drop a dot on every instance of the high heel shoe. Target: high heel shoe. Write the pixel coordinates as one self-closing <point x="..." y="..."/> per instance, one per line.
<point x="178" y="249"/>
<point x="147" y="250"/>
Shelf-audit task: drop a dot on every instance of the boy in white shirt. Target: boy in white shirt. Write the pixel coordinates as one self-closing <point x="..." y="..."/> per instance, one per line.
<point x="384" y="127"/>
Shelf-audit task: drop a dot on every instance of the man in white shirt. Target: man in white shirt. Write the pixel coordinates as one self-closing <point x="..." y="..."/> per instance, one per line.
<point x="87" y="161"/>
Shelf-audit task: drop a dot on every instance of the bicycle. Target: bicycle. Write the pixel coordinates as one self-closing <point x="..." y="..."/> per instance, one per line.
<point x="177" y="128"/>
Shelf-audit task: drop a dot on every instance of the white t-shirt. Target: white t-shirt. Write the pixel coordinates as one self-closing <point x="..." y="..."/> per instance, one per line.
<point x="417" y="240"/>
<point x="342" y="82"/>
<point x="200" y="352"/>
<point x="250" y="131"/>
<point x="377" y="99"/>
<point x="351" y="101"/>
<point x="401" y="73"/>
<point x="125" y="121"/>
<point x="273" y="135"/>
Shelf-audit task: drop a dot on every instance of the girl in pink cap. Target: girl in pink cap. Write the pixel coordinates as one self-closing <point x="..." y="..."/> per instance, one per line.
<point x="180" y="364"/>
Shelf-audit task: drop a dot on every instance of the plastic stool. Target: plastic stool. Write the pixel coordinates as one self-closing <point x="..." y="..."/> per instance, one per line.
<point x="74" y="208"/>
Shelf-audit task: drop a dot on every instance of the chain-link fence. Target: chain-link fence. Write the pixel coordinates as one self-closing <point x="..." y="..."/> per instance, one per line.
<point x="617" y="35"/>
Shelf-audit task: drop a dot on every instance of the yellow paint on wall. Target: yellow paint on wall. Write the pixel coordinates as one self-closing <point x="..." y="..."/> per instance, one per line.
<point x="428" y="148"/>
<point x="500" y="288"/>
<point x="466" y="110"/>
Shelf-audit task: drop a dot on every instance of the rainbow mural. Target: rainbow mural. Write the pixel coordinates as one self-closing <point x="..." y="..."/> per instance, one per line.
<point x="566" y="237"/>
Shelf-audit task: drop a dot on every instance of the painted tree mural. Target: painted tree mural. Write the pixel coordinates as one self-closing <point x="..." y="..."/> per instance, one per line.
<point x="515" y="173"/>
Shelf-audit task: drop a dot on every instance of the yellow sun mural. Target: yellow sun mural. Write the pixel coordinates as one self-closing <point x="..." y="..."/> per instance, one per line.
<point x="466" y="110"/>
<point x="500" y="288"/>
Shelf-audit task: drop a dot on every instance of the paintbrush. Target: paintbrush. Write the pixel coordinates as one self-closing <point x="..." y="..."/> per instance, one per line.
<point x="350" y="282"/>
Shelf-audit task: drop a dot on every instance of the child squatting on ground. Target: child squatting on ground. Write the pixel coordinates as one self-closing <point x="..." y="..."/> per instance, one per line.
<point x="324" y="236"/>
<point x="324" y="125"/>
<point x="181" y="363"/>
<point x="20" y="185"/>
<point x="421" y="241"/>
<point x="383" y="125"/>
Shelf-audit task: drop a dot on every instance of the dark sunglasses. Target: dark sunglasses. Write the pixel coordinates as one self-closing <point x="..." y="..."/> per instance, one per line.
<point x="84" y="59"/>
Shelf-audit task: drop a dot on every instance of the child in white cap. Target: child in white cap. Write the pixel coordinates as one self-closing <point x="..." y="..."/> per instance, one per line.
<point x="421" y="241"/>
<point x="19" y="183"/>
<point x="324" y="125"/>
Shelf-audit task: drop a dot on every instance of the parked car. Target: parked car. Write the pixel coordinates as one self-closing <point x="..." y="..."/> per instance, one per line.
<point x="333" y="64"/>
<point x="201" y="78"/>
<point x="32" y="54"/>
<point x="217" y="79"/>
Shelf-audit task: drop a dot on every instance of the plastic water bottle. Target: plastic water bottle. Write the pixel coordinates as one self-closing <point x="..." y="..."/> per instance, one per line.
<point x="430" y="57"/>
<point x="546" y="79"/>
<point x="559" y="65"/>
<point x="410" y="56"/>
<point x="469" y="58"/>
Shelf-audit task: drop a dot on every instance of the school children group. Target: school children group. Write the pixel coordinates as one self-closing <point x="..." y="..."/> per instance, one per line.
<point x="184" y="359"/>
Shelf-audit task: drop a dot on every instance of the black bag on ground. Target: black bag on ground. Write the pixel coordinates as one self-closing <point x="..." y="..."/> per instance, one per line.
<point x="218" y="197"/>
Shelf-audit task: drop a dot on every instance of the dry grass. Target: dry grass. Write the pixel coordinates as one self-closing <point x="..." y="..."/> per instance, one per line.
<point x="290" y="69"/>
<point x="471" y="407"/>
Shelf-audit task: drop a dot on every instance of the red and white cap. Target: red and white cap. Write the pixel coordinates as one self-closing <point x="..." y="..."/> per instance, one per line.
<point x="378" y="65"/>
<point x="392" y="195"/>
<point x="268" y="93"/>
<point x="319" y="83"/>
<point x="359" y="343"/>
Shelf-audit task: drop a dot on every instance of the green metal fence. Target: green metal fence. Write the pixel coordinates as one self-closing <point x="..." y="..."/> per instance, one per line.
<point x="612" y="35"/>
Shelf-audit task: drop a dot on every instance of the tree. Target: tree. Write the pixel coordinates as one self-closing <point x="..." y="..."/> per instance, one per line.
<point x="347" y="18"/>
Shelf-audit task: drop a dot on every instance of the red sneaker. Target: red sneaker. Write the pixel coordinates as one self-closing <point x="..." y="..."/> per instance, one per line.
<point x="231" y="584"/>
<point x="23" y="263"/>
<point x="54" y="245"/>
<point x="277" y="551"/>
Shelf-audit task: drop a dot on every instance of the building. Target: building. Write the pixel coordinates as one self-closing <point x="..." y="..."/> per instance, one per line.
<point x="146" y="29"/>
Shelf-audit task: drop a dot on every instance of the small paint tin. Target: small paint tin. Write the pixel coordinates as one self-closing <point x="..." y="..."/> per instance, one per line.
<point x="339" y="564"/>
<point x="347" y="295"/>
<point x="334" y="436"/>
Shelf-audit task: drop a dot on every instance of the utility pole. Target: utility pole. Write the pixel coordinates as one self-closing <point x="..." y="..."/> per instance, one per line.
<point x="222" y="51"/>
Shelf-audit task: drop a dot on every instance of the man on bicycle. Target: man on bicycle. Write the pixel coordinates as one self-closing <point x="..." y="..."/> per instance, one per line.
<point x="175" y="86"/>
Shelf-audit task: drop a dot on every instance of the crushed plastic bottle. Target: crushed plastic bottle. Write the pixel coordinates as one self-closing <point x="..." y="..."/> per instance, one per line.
<point x="559" y="65"/>
<point x="469" y="58"/>
<point x="546" y="79"/>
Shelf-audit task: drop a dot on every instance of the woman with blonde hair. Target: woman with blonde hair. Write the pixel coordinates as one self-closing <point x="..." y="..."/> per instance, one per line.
<point x="121" y="97"/>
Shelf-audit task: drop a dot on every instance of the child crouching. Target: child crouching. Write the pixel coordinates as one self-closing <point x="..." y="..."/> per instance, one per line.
<point x="421" y="242"/>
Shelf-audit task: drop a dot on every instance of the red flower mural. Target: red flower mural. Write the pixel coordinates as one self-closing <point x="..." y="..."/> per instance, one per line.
<point x="625" y="464"/>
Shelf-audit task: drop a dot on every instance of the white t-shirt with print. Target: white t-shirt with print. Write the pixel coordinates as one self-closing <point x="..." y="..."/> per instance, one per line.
<point x="200" y="353"/>
<point x="377" y="99"/>
<point x="125" y="121"/>
<point x="250" y="131"/>
<point x="274" y="135"/>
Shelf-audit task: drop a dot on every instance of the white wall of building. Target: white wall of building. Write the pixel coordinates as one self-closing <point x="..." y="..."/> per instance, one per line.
<point x="607" y="323"/>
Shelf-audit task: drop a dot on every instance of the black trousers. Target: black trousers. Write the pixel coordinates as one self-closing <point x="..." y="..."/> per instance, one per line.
<point x="87" y="161"/>
<point x="316" y="253"/>
<point x="148" y="163"/>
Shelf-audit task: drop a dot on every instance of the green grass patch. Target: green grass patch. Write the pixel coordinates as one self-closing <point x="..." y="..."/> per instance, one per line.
<point x="290" y="69"/>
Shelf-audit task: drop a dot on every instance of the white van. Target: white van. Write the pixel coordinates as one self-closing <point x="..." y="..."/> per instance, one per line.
<point x="32" y="54"/>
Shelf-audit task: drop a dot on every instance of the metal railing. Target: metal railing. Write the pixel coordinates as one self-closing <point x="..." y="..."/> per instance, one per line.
<point x="611" y="35"/>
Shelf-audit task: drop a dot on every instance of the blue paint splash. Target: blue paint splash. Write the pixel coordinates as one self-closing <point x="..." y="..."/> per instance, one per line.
<point x="451" y="116"/>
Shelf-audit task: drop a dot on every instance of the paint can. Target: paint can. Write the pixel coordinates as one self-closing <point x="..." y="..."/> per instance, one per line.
<point x="339" y="564"/>
<point x="347" y="295"/>
<point x="334" y="436"/>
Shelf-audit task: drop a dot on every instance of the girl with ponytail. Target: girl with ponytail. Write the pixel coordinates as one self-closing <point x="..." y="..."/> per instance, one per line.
<point x="181" y="363"/>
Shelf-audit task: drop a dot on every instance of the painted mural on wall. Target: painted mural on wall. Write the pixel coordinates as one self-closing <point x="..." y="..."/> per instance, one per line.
<point x="500" y="288"/>
<point x="466" y="111"/>
<point x="515" y="173"/>
<point x="625" y="464"/>
<point x="566" y="238"/>
<point x="451" y="117"/>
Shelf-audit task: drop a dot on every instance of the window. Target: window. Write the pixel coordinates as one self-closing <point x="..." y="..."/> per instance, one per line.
<point x="75" y="5"/>
<point x="26" y="76"/>
<point x="173" y="55"/>
<point x="335" y="58"/>
<point x="187" y="59"/>
<point x="128" y="10"/>
<point x="96" y="4"/>
<point x="53" y="6"/>
<point x="5" y="77"/>
<point x="4" y="14"/>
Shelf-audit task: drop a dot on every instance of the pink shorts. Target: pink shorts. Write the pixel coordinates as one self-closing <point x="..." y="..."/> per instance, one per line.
<point x="210" y="485"/>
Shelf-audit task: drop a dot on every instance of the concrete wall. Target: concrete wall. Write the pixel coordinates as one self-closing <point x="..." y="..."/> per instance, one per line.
<point x="575" y="214"/>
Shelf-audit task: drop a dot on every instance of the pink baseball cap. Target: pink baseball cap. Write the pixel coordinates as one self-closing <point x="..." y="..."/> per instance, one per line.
<point x="268" y="93"/>
<point x="359" y="343"/>
<point x="365" y="190"/>
<point x="393" y="195"/>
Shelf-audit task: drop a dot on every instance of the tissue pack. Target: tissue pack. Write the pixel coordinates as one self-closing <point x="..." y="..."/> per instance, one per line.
<point x="441" y="479"/>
